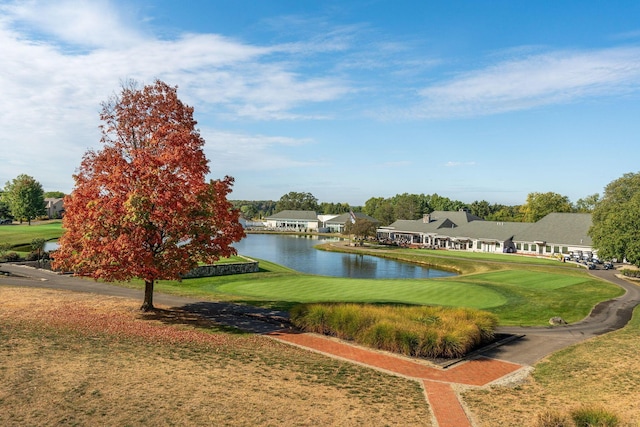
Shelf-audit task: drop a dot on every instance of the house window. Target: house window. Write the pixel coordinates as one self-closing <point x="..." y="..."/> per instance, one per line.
<point x="547" y="249"/>
<point x="478" y="244"/>
<point x="534" y="248"/>
<point x="565" y="250"/>
<point x="556" y="249"/>
<point x="518" y="246"/>
<point x="526" y="246"/>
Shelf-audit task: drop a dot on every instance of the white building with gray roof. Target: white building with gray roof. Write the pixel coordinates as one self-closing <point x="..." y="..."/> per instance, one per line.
<point x="291" y="220"/>
<point x="556" y="233"/>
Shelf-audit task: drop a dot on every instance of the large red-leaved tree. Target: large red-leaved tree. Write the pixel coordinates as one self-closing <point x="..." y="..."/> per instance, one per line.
<point x="141" y="206"/>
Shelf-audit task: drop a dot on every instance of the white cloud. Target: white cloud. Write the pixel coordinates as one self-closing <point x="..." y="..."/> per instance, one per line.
<point x="532" y="81"/>
<point x="458" y="164"/>
<point x="60" y="60"/>
<point x="94" y="23"/>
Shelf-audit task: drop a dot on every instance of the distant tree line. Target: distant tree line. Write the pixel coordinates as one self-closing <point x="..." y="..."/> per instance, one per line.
<point x="260" y="209"/>
<point x="414" y="206"/>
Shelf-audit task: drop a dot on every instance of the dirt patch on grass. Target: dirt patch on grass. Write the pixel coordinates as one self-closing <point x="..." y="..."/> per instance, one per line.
<point x="71" y="358"/>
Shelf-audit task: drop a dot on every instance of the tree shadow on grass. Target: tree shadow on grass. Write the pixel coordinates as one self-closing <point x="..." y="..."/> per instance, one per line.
<point x="223" y="317"/>
<point x="180" y="317"/>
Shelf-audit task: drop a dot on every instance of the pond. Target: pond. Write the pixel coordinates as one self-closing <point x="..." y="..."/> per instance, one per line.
<point x="298" y="253"/>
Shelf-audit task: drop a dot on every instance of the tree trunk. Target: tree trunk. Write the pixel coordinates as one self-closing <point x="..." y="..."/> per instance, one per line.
<point x="147" y="305"/>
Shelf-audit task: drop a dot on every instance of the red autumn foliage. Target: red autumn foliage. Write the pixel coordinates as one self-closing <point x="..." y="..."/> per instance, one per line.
<point x="141" y="206"/>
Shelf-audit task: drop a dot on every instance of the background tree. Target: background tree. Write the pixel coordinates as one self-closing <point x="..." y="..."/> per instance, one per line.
<point x="615" y="230"/>
<point x="141" y="207"/>
<point x="371" y="205"/>
<point x="539" y="205"/>
<point x="385" y="213"/>
<point x="252" y="209"/>
<point x="406" y="206"/>
<point x="54" y="195"/>
<point x="481" y="209"/>
<point x="37" y="246"/>
<point x="505" y="213"/>
<point x="588" y="204"/>
<point x="249" y="211"/>
<point x="362" y="228"/>
<point x="440" y="203"/>
<point x="25" y="198"/>
<point x="5" y="210"/>
<point x="297" y="202"/>
<point x="328" y="208"/>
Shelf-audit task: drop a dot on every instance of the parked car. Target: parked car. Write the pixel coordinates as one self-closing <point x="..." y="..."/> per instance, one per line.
<point x="591" y="266"/>
<point x="608" y="266"/>
<point x="5" y="221"/>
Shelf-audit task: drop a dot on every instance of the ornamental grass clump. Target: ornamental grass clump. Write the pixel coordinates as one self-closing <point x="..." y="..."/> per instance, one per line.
<point x="594" y="416"/>
<point x="414" y="331"/>
<point x="586" y="416"/>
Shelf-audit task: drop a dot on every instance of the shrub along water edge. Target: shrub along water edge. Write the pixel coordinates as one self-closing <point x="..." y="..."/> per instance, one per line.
<point x="420" y="331"/>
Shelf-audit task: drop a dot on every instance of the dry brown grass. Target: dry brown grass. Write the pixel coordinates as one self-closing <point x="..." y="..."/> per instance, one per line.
<point x="79" y="359"/>
<point x="603" y="372"/>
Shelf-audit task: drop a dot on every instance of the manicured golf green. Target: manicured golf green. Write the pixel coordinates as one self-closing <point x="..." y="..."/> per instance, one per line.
<point x="318" y="288"/>
<point x="518" y="297"/>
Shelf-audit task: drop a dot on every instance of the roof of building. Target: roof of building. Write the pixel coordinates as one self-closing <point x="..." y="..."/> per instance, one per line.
<point x="435" y="221"/>
<point x="565" y="228"/>
<point x="343" y="218"/>
<point x="555" y="228"/>
<point x="457" y="217"/>
<point x="490" y="230"/>
<point x="295" y="215"/>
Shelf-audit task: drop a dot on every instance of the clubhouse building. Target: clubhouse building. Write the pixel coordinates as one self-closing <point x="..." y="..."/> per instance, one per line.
<point x="556" y="233"/>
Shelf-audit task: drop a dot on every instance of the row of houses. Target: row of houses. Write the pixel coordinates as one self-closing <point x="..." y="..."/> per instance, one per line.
<point x="556" y="233"/>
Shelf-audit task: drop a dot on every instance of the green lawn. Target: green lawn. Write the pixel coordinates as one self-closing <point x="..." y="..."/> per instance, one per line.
<point x="518" y="297"/>
<point x="520" y="290"/>
<point x="20" y="236"/>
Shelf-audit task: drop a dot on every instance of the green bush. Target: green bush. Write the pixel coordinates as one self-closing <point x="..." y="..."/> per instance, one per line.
<point x="414" y="331"/>
<point x="594" y="417"/>
<point x="12" y="257"/>
<point x="32" y="256"/>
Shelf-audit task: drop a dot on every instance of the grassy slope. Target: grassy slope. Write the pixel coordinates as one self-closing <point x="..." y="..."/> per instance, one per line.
<point x="81" y="359"/>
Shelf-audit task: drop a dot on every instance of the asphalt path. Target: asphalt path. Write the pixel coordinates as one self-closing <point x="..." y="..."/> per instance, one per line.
<point x="537" y="342"/>
<point x="523" y="345"/>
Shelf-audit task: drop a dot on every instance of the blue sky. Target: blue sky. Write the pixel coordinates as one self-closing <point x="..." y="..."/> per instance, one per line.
<point x="347" y="100"/>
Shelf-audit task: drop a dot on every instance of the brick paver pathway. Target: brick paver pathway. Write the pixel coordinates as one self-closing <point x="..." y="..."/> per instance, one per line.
<point x="437" y="382"/>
